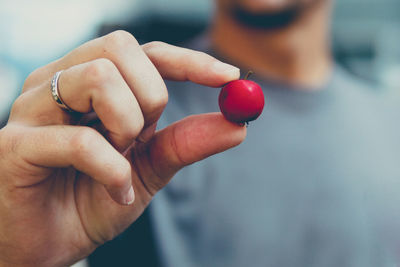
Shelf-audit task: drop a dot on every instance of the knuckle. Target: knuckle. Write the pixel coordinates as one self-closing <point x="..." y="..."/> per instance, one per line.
<point x="200" y="53"/>
<point x="199" y="56"/>
<point x="134" y="129"/>
<point x="81" y="142"/>
<point x="29" y="80"/>
<point x="32" y="78"/>
<point x="158" y="100"/>
<point x="19" y="104"/>
<point x="99" y="72"/>
<point x="119" y="41"/>
<point x="153" y="45"/>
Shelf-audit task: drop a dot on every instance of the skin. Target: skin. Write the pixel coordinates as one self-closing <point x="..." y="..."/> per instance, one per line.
<point x="298" y="54"/>
<point x="66" y="177"/>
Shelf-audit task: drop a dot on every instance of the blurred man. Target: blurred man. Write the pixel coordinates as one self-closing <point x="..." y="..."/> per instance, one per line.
<point x="316" y="181"/>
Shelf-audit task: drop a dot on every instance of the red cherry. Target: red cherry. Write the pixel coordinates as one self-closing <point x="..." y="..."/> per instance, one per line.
<point x="241" y="101"/>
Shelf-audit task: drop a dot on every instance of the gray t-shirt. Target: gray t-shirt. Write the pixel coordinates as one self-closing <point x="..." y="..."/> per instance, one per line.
<point x="315" y="183"/>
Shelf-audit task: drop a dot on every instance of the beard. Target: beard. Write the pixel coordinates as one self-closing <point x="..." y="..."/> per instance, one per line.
<point x="268" y="20"/>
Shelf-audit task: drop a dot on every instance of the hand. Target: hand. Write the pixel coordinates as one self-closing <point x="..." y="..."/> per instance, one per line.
<point x="66" y="179"/>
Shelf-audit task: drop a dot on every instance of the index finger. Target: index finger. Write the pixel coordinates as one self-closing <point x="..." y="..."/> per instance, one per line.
<point x="182" y="64"/>
<point x="172" y="62"/>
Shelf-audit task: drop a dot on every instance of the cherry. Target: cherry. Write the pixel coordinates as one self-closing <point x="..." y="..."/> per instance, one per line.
<point x="241" y="101"/>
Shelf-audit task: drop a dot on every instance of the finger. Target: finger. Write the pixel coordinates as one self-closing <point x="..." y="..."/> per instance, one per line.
<point x="81" y="147"/>
<point x="147" y="133"/>
<point x="140" y="73"/>
<point x="96" y="85"/>
<point x="172" y="62"/>
<point x="135" y="67"/>
<point x="181" y="64"/>
<point x="182" y="143"/>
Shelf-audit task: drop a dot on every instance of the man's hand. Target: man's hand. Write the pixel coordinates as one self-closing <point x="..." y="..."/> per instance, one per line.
<point x="66" y="179"/>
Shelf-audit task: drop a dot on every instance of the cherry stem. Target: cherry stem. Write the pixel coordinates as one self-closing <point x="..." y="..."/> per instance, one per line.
<point x="248" y="74"/>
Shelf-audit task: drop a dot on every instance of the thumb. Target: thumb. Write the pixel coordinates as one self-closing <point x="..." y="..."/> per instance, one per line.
<point x="183" y="143"/>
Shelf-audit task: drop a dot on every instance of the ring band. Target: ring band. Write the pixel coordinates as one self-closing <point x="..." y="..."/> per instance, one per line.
<point x="56" y="94"/>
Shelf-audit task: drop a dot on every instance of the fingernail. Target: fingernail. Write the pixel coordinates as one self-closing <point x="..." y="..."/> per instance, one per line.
<point x="221" y="67"/>
<point x="130" y="197"/>
<point x="147" y="133"/>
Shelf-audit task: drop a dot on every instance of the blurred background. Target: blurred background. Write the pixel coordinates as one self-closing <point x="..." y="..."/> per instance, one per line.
<point x="33" y="33"/>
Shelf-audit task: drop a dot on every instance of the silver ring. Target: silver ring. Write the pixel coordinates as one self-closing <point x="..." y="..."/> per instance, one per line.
<point x="56" y="94"/>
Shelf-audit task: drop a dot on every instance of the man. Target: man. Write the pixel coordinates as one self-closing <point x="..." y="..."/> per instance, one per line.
<point x="316" y="183"/>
